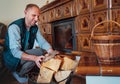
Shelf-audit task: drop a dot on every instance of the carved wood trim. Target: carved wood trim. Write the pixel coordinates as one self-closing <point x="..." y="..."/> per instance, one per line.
<point x="53" y="5"/>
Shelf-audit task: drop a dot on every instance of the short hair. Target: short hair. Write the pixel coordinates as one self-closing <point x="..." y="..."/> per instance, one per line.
<point x="31" y="5"/>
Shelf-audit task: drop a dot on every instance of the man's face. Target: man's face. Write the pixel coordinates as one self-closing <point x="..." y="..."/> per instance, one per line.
<point x="31" y="16"/>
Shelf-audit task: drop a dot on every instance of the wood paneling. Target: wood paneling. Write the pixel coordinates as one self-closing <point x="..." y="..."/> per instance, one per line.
<point x="85" y="42"/>
<point x="115" y="3"/>
<point x="98" y="17"/>
<point x="85" y="6"/>
<point x="51" y="15"/>
<point x="99" y="5"/>
<point x="85" y="23"/>
<point x="116" y="17"/>
<point x="77" y="24"/>
<point x="78" y="42"/>
<point x="67" y="10"/>
<point x="58" y="13"/>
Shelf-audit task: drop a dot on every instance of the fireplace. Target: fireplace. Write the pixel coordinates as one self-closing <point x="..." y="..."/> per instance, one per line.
<point x="64" y="35"/>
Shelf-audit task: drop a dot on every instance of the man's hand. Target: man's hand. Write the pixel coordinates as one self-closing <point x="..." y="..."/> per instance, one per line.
<point x="50" y="55"/>
<point x="38" y="60"/>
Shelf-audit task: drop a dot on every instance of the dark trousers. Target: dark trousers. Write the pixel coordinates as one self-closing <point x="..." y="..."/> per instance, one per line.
<point x="26" y="66"/>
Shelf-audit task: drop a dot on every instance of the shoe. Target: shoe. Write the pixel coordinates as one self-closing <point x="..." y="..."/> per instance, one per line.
<point x="20" y="79"/>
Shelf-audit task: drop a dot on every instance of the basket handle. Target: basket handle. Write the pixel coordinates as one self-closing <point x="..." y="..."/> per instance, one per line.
<point x="102" y="23"/>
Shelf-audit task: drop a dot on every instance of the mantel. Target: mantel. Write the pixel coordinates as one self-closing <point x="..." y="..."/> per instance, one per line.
<point x="53" y="5"/>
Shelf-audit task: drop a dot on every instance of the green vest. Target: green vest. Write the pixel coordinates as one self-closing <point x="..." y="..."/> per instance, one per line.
<point x="9" y="60"/>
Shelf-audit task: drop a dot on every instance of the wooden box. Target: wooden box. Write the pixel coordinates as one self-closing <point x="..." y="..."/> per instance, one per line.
<point x="98" y="5"/>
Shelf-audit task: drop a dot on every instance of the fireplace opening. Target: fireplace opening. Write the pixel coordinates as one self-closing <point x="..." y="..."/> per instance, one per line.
<point x="64" y="35"/>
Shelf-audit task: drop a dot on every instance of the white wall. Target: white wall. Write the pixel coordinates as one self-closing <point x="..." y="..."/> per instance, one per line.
<point x="14" y="9"/>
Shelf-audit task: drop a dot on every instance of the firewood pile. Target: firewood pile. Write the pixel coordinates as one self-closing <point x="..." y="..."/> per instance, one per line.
<point x="58" y="68"/>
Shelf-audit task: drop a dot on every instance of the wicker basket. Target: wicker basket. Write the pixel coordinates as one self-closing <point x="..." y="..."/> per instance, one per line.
<point x="106" y="47"/>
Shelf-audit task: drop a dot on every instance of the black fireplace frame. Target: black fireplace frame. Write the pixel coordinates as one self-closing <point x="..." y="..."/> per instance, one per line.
<point x="64" y="22"/>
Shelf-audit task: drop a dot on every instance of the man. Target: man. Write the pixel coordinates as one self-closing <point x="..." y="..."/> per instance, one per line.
<point x="20" y="37"/>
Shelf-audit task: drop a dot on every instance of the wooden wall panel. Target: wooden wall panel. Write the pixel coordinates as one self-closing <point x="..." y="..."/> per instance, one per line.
<point x="98" y="17"/>
<point x="58" y="13"/>
<point x="48" y="29"/>
<point x="67" y="10"/>
<point x="85" y="6"/>
<point x="75" y="8"/>
<point x="48" y="37"/>
<point x="85" y="42"/>
<point x="115" y="3"/>
<point x="42" y="29"/>
<point x="43" y="18"/>
<point x="99" y="5"/>
<point x="51" y="15"/>
<point x="116" y="17"/>
<point x="85" y="23"/>
<point x="77" y="24"/>
<point x="45" y="28"/>
<point x="78" y="47"/>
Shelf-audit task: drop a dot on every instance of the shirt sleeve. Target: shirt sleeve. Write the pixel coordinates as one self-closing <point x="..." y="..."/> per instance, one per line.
<point x="42" y="41"/>
<point x="14" y="40"/>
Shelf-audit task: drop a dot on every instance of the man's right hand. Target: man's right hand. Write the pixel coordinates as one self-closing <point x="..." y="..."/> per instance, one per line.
<point x="38" y="60"/>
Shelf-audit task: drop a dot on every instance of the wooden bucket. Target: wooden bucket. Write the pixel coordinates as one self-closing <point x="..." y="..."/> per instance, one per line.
<point x="106" y="47"/>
